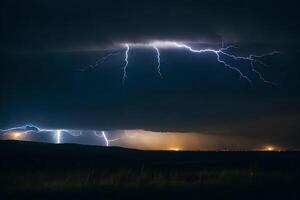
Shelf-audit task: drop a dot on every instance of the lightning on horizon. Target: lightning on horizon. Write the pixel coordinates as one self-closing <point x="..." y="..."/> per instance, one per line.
<point x="29" y="128"/>
<point x="57" y="133"/>
<point x="104" y="136"/>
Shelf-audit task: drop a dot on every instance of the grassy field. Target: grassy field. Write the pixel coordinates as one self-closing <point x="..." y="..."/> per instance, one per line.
<point x="36" y="170"/>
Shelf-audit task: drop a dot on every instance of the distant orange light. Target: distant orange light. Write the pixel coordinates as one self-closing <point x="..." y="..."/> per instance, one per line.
<point x="269" y="148"/>
<point x="174" y="149"/>
<point x="15" y="135"/>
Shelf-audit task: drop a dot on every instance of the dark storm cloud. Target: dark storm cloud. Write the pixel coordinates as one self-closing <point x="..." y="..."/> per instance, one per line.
<point x="82" y="25"/>
<point x="196" y="94"/>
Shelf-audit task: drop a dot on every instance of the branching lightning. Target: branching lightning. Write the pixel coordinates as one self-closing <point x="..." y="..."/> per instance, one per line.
<point x="255" y="58"/>
<point x="19" y="133"/>
<point x="29" y="128"/>
<point x="217" y="52"/>
<point x="103" y="135"/>
<point x="220" y="53"/>
<point x="25" y="129"/>
<point x="57" y="133"/>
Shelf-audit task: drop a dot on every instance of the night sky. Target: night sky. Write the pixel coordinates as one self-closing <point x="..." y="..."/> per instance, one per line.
<point x="45" y="43"/>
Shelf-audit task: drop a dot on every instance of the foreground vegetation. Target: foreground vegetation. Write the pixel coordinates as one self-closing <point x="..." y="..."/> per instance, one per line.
<point x="45" y="170"/>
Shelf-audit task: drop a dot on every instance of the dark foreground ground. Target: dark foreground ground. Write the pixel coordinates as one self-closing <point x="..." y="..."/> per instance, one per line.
<point x="48" y="171"/>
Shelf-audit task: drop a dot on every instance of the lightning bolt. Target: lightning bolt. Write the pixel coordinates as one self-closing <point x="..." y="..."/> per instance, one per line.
<point x="220" y="53"/>
<point x="58" y="136"/>
<point x="29" y="128"/>
<point x="19" y="128"/>
<point x="158" y="60"/>
<point x="100" y="61"/>
<point x="254" y="58"/>
<point x="105" y="138"/>
<point x="103" y="135"/>
<point x="126" y="63"/>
